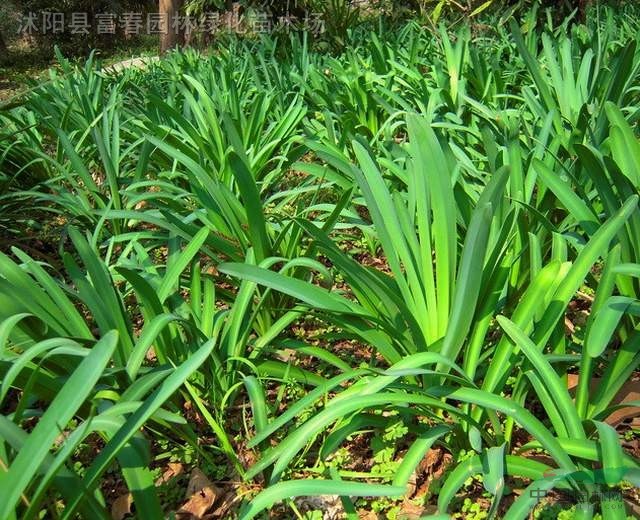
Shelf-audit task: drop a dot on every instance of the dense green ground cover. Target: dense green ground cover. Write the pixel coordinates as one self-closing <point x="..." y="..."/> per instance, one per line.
<point x="258" y="260"/>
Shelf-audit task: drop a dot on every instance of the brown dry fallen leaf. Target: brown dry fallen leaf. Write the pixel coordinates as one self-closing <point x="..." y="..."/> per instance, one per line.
<point x="410" y="511"/>
<point x="412" y="484"/>
<point x="224" y="505"/>
<point x="633" y="507"/>
<point x="173" y="470"/>
<point x="201" y="494"/>
<point x="121" y="507"/>
<point x="433" y="456"/>
<point x="330" y="505"/>
<point x="629" y="392"/>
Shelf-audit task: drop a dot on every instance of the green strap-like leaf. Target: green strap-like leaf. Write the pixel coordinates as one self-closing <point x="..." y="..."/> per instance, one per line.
<point x="55" y="420"/>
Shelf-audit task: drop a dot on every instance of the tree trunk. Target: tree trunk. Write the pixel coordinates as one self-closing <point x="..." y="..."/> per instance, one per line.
<point x="4" y="52"/>
<point x="582" y="10"/>
<point x="171" y="37"/>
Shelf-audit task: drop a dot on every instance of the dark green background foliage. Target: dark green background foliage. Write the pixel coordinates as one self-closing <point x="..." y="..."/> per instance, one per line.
<point x="82" y="44"/>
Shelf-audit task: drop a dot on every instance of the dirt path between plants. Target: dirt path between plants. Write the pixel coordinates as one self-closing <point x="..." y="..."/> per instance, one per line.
<point x="138" y="63"/>
<point x="13" y="89"/>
